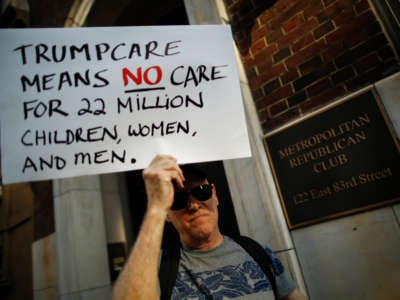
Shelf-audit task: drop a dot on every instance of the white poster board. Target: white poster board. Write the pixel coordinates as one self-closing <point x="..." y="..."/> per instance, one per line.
<point x="82" y="101"/>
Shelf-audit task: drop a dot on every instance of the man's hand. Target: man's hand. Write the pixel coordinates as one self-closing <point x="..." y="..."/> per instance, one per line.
<point x="160" y="177"/>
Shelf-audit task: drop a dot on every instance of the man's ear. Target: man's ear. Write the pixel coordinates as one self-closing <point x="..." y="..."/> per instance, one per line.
<point x="215" y="193"/>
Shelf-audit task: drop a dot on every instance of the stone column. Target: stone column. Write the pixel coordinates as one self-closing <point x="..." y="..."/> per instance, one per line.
<point x="80" y="239"/>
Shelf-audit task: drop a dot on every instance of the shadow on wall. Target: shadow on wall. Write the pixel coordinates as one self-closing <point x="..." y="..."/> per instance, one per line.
<point x="244" y="14"/>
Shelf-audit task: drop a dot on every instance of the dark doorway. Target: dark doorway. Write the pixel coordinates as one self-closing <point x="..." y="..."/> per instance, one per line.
<point x="137" y="13"/>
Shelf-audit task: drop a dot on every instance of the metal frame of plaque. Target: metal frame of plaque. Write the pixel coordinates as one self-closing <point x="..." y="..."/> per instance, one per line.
<point x="339" y="160"/>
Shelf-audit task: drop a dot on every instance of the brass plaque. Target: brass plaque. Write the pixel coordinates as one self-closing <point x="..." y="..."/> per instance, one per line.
<point x="341" y="160"/>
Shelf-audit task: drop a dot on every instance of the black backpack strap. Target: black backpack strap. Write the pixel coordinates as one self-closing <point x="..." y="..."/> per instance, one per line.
<point x="168" y="270"/>
<point x="258" y="253"/>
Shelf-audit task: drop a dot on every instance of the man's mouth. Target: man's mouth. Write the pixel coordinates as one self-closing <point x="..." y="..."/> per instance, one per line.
<point x="198" y="216"/>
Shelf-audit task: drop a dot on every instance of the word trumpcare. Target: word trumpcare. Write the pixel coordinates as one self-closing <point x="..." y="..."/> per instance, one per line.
<point x="43" y="53"/>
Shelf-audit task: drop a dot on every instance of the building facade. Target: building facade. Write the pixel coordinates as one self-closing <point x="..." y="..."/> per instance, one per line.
<point x="294" y="58"/>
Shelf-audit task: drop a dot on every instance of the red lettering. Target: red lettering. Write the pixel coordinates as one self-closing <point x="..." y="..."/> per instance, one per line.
<point x="126" y="74"/>
<point x="152" y="78"/>
<point x="158" y="75"/>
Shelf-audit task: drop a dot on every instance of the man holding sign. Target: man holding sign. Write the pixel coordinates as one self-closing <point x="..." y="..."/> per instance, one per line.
<point x="100" y="100"/>
<point x="210" y="265"/>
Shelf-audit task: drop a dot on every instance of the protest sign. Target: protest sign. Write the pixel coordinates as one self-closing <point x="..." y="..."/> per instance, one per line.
<point x="82" y="101"/>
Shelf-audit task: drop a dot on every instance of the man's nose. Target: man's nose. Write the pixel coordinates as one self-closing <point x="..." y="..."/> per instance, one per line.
<point x="192" y="204"/>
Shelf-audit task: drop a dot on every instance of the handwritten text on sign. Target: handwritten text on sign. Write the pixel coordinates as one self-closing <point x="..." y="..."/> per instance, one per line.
<point x="96" y="100"/>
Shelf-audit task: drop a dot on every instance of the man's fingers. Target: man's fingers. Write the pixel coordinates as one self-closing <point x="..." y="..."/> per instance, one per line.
<point x="166" y="166"/>
<point x="178" y="178"/>
<point x="174" y="173"/>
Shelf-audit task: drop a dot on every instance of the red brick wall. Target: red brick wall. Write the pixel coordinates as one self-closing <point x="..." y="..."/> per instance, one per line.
<point x="300" y="55"/>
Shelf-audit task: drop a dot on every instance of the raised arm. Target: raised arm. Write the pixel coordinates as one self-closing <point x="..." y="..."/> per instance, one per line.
<point x="139" y="278"/>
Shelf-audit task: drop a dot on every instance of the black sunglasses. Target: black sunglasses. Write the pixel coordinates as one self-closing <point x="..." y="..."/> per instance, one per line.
<point x="200" y="192"/>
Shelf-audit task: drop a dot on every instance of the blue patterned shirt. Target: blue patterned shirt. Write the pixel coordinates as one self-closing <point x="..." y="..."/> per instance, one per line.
<point x="227" y="272"/>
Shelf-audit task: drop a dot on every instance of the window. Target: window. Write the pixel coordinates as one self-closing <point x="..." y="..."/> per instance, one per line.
<point x="389" y="12"/>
